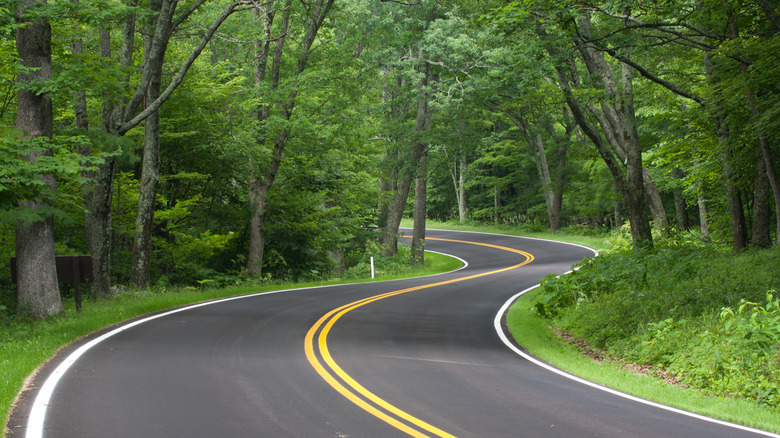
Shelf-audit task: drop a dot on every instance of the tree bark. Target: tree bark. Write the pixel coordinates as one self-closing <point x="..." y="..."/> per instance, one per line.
<point x="97" y="226"/>
<point x="704" y="222"/>
<point x="762" y="211"/>
<point x="150" y="177"/>
<point x="408" y="170"/>
<point x="420" y="209"/>
<point x="37" y="288"/>
<point x="458" y="167"/>
<point x="260" y="188"/>
<point x="622" y="121"/>
<point x="150" y="166"/>
<point x="768" y="168"/>
<point x="680" y="205"/>
<point x="736" y="208"/>
<point x="118" y="119"/>
<point x="629" y="175"/>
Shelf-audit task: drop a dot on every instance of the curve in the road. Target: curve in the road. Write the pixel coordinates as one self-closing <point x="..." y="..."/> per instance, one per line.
<point x="317" y="352"/>
<point x="238" y="369"/>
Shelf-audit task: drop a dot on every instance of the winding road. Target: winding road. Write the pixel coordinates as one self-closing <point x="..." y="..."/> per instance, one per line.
<point x="418" y="357"/>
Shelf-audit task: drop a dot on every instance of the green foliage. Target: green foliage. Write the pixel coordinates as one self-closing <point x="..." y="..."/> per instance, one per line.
<point x="699" y="312"/>
<point x="731" y="353"/>
<point x="20" y="178"/>
<point x="383" y="266"/>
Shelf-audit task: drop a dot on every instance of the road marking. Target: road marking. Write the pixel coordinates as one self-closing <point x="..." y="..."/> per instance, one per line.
<point x="337" y="378"/>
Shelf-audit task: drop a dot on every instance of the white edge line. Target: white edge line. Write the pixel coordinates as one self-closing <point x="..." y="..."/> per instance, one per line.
<point x="548" y="367"/>
<point x="36" y="419"/>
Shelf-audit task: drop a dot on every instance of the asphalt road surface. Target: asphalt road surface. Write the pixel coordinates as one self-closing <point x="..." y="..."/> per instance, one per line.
<point x="418" y="357"/>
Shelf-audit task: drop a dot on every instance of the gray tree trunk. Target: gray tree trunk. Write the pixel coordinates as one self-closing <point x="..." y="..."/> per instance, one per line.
<point x="118" y="119"/>
<point x="150" y="166"/>
<point x="97" y="226"/>
<point x="680" y="205"/>
<point x="420" y="207"/>
<point x="259" y="191"/>
<point x="629" y="175"/>
<point x="762" y="212"/>
<point x="396" y="205"/>
<point x="461" y="188"/>
<point x="704" y="222"/>
<point x="37" y="288"/>
<point x="458" y="166"/>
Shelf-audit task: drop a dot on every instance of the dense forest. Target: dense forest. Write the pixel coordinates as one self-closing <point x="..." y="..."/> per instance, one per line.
<point x="183" y="142"/>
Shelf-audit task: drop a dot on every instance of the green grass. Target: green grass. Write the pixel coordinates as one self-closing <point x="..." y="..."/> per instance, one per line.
<point x="25" y="345"/>
<point x="533" y="333"/>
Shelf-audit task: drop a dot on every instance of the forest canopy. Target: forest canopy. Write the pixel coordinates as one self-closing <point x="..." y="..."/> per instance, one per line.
<point x="182" y="142"/>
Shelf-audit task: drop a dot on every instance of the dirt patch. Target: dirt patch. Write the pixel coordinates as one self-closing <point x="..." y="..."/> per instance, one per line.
<point x="600" y="356"/>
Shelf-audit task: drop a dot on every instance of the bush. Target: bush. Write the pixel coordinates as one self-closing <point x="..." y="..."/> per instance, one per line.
<point x="699" y="312"/>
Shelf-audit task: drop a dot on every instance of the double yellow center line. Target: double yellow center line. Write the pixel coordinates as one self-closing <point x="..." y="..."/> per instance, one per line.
<point x="317" y="353"/>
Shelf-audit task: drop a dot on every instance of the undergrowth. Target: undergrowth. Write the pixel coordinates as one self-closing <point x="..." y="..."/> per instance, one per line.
<point x="707" y="316"/>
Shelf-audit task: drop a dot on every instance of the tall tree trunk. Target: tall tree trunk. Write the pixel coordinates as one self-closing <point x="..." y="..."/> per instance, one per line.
<point x="704" y="222"/>
<point x="150" y="166"/>
<point x="462" y="207"/>
<point x="560" y="176"/>
<point x="150" y="177"/>
<point x="628" y="174"/>
<point x="396" y="206"/>
<point x="458" y="173"/>
<point x="680" y="205"/>
<point x="551" y="189"/>
<point x="37" y="288"/>
<point x="257" y="198"/>
<point x="762" y="211"/>
<point x="97" y="226"/>
<point x="420" y="209"/>
<point x="258" y="201"/>
<point x="736" y="208"/>
<point x="763" y="141"/>
<point x="260" y="188"/>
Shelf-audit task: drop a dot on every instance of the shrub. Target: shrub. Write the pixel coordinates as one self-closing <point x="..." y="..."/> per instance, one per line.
<point x="700" y="312"/>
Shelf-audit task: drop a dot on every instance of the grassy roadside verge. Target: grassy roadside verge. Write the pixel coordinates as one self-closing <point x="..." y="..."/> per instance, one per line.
<point x="25" y="345"/>
<point x="534" y="334"/>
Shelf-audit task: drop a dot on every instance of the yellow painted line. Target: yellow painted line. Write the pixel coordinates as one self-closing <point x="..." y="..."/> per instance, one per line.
<point x="329" y="320"/>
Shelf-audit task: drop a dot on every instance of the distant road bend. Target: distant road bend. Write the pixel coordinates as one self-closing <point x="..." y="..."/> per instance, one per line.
<point x="420" y="357"/>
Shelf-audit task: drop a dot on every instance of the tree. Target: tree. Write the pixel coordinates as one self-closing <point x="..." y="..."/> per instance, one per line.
<point x="313" y="17"/>
<point x="37" y="288"/>
<point x="121" y="113"/>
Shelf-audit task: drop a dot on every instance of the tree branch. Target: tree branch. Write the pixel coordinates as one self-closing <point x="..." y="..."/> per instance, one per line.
<point x="154" y="106"/>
